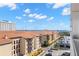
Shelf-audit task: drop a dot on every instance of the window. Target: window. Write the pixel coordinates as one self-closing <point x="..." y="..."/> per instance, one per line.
<point x="17" y="41"/>
<point x="14" y="47"/>
<point x="52" y="37"/>
<point x="67" y="42"/>
<point x="19" y="50"/>
<point x="19" y="46"/>
<point x="14" y="42"/>
<point x="48" y="37"/>
<point x="14" y="52"/>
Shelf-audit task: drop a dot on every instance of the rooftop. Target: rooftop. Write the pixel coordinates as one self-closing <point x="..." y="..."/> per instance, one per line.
<point x="5" y="36"/>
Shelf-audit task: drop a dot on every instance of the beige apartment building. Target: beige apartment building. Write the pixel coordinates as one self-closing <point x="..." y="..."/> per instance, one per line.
<point x="48" y="36"/>
<point x="7" y="26"/>
<point x="5" y="49"/>
<point x="20" y="43"/>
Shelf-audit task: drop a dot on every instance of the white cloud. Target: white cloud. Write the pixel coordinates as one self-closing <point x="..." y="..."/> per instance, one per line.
<point x="58" y="5"/>
<point x="38" y="16"/>
<point x="18" y="17"/>
<point x="32" y="15"/>
<point x="51" y="18"/>
<point x="30" y="20"/>
<point x="12" y="6"/>
<point x="24" y="14"/>
<point x="66" y="11"/>
<point x="27" y="11"/>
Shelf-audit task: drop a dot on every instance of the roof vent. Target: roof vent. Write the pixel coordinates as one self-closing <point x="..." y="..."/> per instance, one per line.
<point x="5" y="37"/>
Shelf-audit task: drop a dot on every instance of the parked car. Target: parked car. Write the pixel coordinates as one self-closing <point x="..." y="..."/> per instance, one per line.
<point x="50" y="51"/>
<point x="66" y="54"/>
<point x="51" y="48"/>
<point x="61" y="45"/>
<point x="49" y="54"/>
<point x="68" y="46"/>
<point x="54" y="49"/>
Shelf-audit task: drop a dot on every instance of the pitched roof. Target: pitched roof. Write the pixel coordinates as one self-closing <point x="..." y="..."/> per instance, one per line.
<point x="6" y="35"/>
<point x="15" y="34"/>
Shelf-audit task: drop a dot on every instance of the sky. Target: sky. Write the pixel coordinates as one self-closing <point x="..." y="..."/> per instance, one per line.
<point x="37" y="16"/>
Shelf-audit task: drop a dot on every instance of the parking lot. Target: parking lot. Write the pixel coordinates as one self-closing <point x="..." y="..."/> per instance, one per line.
<point x="51" y="51"/>
<point x="59" y="52"/>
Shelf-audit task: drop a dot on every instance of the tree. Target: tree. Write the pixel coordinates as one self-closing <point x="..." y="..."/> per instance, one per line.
<point x="64" y="33"/>
<point x="45" y="44"/>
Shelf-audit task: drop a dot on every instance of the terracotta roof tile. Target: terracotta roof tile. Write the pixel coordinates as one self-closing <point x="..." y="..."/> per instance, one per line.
<point x="24" y="34"/>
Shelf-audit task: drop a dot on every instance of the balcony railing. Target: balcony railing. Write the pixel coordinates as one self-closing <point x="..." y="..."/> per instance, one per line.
<point x="76" y="47"/>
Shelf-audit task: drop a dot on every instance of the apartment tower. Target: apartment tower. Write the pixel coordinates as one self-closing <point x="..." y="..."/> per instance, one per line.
<point x="7" y="26"/>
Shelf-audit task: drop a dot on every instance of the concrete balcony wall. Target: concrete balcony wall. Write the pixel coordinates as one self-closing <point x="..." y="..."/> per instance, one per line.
<point x="75" y="18"/>
<point x="75" y="23"/>
<point x="75" y="29"/>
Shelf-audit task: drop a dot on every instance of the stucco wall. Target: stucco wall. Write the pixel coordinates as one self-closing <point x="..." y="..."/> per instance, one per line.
<point x="37" y="43"/>
<point x="5" y="50"/>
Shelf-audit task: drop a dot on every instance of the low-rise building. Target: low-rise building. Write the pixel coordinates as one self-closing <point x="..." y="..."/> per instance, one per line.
<point x="19" y="43"/>
<point x="65" y="40"/>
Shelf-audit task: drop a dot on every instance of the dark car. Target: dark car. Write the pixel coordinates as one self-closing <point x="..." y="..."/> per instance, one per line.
<point x="51" y="48"/>
<point x="68" y="46"/>
<point x="50" y="51"/>
<point x="49" y="54"/>
<point x="66" y="54"/>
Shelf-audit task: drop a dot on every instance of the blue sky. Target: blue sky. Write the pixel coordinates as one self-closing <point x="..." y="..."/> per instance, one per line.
<point x="37" y="16"/>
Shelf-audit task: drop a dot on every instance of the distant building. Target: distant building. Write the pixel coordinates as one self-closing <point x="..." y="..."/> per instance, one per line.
<point x="7" y="26"/>
<point x="65" y="40"/>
